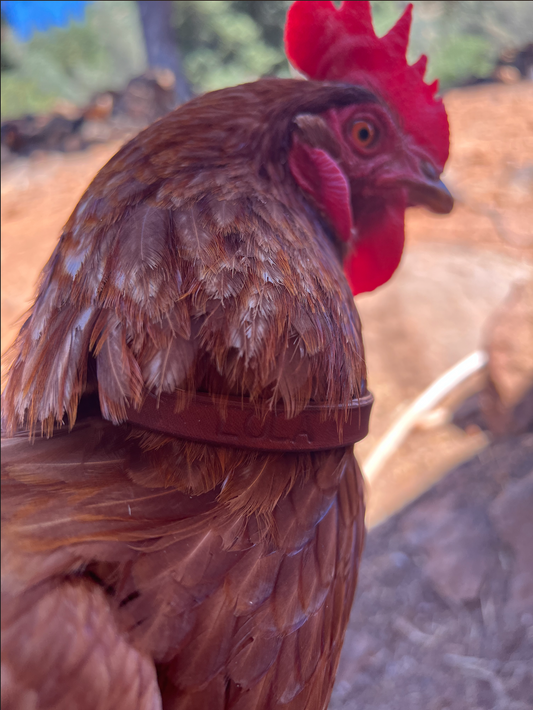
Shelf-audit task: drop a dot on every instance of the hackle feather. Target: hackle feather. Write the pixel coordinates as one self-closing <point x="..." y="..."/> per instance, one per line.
<point x="157" y="572"/>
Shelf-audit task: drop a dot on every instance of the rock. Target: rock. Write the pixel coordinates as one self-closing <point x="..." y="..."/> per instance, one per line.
<point x="507" y="402"/>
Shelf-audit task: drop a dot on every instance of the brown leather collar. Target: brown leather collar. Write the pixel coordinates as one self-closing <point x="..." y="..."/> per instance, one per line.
<point x="241" y="427"/>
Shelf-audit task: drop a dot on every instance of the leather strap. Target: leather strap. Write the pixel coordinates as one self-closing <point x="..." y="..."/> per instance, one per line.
<point x="241" y="427"/>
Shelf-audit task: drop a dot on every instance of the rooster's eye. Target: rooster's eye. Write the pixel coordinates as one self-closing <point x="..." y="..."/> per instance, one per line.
<point x="363" y="133"/>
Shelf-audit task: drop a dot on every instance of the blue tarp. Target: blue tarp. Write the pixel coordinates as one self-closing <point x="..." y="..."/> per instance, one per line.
<point x="26" y="16"/>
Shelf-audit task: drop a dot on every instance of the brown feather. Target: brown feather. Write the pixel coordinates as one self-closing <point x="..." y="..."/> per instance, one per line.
<point x="144" y="571"/>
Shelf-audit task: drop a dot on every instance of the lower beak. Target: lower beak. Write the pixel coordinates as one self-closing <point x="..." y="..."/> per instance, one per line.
<point x="432" y="194"/>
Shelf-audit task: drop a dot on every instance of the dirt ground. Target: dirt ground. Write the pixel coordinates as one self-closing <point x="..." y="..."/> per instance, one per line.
<point x="414" y="640"/>
<point x="443" y="617"/>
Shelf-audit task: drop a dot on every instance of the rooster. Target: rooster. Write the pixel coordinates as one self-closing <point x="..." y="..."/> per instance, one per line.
<point x="183" y="512"/>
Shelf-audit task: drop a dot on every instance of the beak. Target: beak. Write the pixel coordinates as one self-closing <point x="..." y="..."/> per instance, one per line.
<point x="433" y="195"/>
<point x="426" y="189"/>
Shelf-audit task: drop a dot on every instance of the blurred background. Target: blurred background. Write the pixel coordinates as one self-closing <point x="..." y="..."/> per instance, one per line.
<point x="99" y="46"/>
<point x="444" y="617"/>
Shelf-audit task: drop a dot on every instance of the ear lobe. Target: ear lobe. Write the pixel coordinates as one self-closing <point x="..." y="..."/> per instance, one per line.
<point x="321" y="177"/>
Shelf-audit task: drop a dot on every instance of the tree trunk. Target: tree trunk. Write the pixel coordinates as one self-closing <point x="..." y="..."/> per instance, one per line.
<point x="161" y="44"/>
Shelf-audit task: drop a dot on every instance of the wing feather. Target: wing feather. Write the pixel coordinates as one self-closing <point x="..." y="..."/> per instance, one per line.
<point x="263" y="618"/>
<point x="70" y="636"/>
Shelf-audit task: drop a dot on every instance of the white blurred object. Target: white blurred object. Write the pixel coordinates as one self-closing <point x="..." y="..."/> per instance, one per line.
<point x="420" y="408"/>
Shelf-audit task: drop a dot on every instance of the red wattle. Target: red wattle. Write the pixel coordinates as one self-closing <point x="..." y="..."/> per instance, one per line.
<point x="378" y="249"/>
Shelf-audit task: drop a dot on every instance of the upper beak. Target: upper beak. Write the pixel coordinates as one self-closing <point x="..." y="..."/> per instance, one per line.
<point x="432" y="194"/>
<point x="428" y="190"/>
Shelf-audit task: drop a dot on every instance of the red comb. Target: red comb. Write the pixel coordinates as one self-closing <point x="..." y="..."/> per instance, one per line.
<point x="340" y="45"/>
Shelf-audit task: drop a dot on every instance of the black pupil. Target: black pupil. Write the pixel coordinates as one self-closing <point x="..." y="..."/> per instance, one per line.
<point x="364" y="134"/>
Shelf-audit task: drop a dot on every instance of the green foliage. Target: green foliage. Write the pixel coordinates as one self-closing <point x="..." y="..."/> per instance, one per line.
<point x="23" y="95"/>
<point x="226" y="42"/>
<point x="102" y="53"/>
<point x="463" y="38"/>
<point x="385" y="14"/>
<point x="461" y="57"/>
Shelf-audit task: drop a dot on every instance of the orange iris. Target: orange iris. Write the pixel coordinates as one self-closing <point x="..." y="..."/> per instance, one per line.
<point x="363" y="133"/>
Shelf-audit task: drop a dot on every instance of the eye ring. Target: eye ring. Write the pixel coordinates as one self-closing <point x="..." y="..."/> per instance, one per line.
<point x="363" y="134"/>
